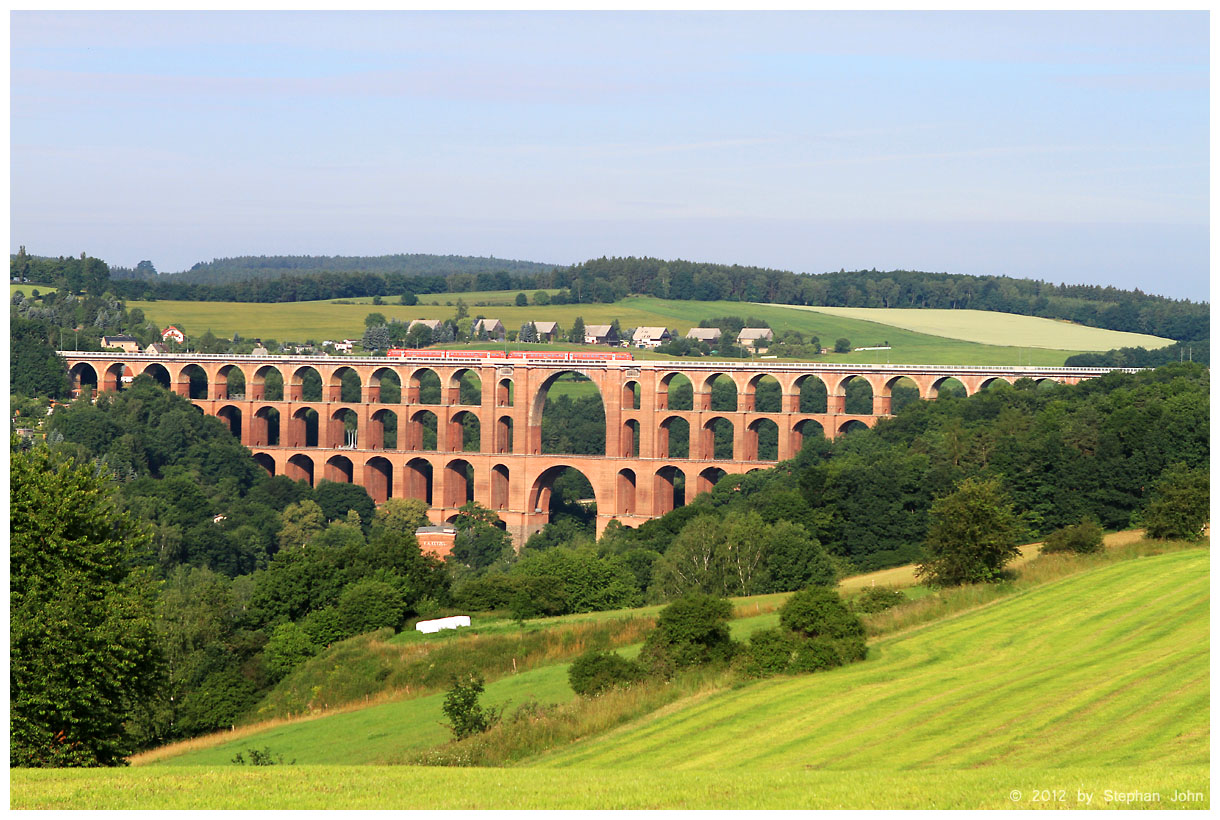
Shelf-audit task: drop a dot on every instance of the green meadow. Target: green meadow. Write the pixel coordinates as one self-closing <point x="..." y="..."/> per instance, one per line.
<point x="988" y="327"/>
<point x="300" y="321"/>
<point x="1086" y="690"/>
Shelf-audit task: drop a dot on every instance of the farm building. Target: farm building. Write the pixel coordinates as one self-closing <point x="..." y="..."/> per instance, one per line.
<point x="751" y="336"/>
<point x="650" y="336"/>
<point x="711" y="335"/>
<point x="128" y="344"/>
<point x="547" y="331"/>
<point x="600" y="335"/>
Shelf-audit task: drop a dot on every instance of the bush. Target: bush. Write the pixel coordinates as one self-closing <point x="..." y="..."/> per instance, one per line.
<point x="819" y="612"/>
<point x="770" y="652"/>
<point x="466" y="717"/>
<point x="877" y="599"/>
<point x="594" y="672"/>
<point x="368" y="605"/>
<point x="826" y="653"/>
<point x="693" y="630"/>
<point x="1084" y="537"/>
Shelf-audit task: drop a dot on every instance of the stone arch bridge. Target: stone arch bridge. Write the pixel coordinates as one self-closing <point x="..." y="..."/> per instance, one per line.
<point x="406" y="448"/>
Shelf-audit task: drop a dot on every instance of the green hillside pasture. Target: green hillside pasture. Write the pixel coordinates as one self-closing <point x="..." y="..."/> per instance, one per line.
<point x="301" y="321"/>
<point x="1104" y="668"/>
<point x="474" y="299"/>
<point x="987" y="327"/>
<point x="415" y="787"/>
<point x="380" y="733"/>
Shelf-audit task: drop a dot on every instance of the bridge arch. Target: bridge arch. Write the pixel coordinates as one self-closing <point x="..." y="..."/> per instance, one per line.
<point x="499" y="487"/>
<point x="422" y="431"/>
<point x="673" y="437"/>
<point x="231" y="414"/>
<point x="541" y="490"/>
<point x="303" y="428"/>
<point x="83" y="375"/>
<point x="675" y="391"/>
<point x="384" y="387"/>
<point x="458" y="482"/>
<point x="300" y="468"/>
<point x="230" y="382"/>
<point x="424" y="387"/>
<point x="379" y="478"/>
<point x="465" y="387"/>
<point x="267" y="384"/>
<point x="707" y="479"/>
<point x="764" y="394"/>
<point x="265" y="427"/>
<point x="669" y="489"/>
<point x="718" y="391"/>
<point x="265" y="461"/>
<point x="306" y="384"/>
<point x="624" y="494"/>
<point x="345" y="385"/>
<point x="383" y="432"/>
<point x="465" y="432"/>
<point x="504" y="392"/>
<point x="541" y="439"/>
<point x="719" y="439"/>
<point x="158" y="373"/>
<point x="761" y="441"/>
<point x="417" y="479"/>
<point x="339" y="469"/>
<point x="812" y="393"/>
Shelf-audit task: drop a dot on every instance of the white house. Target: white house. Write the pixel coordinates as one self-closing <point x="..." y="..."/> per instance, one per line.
<point x="173" y="333"/>
<point x="600" y="335"/>
<point x="751" y="336"/>
<point x="650" y="336"/>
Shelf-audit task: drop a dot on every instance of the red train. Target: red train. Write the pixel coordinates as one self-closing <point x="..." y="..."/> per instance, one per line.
<point x="548" y="355"/>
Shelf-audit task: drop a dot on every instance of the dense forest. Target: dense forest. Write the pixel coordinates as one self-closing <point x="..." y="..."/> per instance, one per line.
<point x="288" y="279"/>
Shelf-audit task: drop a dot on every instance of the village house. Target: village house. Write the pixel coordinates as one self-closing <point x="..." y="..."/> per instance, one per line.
<point x="547" y="331"/>
<point x="172" y="333"/>
<point x="751" y="336"/>
<point x="156" y="349"/>
<point x="711" y="335"/>
<point x="494" y="328"/>
<point x="650" y="336"/>
<point x="600" y="335"/>
<point x="128" y="344"/>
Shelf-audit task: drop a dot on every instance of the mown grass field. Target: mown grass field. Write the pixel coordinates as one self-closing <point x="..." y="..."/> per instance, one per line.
<point x="413" y="787"/>
<point x="1105" y="668"/>
<point x="300" y="321"/>
<point x="986" y="327"/>
<point x="1095" y="684"/>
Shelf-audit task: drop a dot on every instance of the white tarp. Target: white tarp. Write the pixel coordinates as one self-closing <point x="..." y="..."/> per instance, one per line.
<point x="452" y="622"/>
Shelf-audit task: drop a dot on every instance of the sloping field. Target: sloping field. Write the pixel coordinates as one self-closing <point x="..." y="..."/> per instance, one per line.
<point x="987" y="327"/>
<point x="1089" y="691"/>
<point x="300" y="321"/>
<point x="1105" y="668"/>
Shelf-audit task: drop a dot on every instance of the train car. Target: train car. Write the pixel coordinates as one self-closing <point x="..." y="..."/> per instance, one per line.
<point x="527" y="355"/>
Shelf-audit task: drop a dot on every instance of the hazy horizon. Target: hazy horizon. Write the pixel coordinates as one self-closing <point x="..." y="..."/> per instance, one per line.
<point x="1063" y="146"/>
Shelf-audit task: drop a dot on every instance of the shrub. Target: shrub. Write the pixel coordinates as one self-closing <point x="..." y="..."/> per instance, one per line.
<point x="692" y="630"/>
<point x="827" y="653"/>
<point x="819" y="612"/>
<point x="770" y="652"/>
<point x="877" y="599"/>
<point x="368" y="605"/>
<point x="594" y="672"/>
<point x="972" y="533"/>
<point x="1084" y="537"/>
<point x="466" y="716"/>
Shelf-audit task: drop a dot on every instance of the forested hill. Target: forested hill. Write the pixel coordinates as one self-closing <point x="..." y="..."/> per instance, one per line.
<point x="242" y="268"/>
<point x="1094" y="305"/>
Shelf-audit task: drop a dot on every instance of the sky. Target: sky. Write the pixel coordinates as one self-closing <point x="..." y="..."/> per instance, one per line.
<point x="1068" y="147"/>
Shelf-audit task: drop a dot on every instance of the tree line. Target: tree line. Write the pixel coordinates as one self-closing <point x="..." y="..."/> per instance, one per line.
<point x="604" y="280"/>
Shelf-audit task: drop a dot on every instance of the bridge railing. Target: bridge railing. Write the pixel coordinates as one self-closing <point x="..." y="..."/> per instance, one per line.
<point x="647" y="364"/>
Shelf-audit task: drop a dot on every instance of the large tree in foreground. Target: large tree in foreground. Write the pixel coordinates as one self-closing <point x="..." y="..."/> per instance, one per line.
<point x="972" y="534"/>
<point x="82" y="644"/>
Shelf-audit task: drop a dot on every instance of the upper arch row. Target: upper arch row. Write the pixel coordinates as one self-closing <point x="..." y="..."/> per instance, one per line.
<point x="332" y="378"/>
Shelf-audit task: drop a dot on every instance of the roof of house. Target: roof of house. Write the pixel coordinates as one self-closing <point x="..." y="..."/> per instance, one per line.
<point x="490" y="324"/>
<point x="431" y="324"/>
<point x="597" y="330"/>
<point x="546" y="327"/>
<point x="755" y="333"/>
<point x="120" y="338"/>
<point x="649" y="332"/>
<point x="156" y="347"/>
<point x="707" y="334"/>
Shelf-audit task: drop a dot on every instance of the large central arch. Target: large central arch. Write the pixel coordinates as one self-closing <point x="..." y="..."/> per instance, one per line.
<point x="551" y="435"/>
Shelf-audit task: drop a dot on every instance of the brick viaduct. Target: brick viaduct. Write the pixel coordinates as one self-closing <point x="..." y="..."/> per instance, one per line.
<point x="509" y="473"/>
